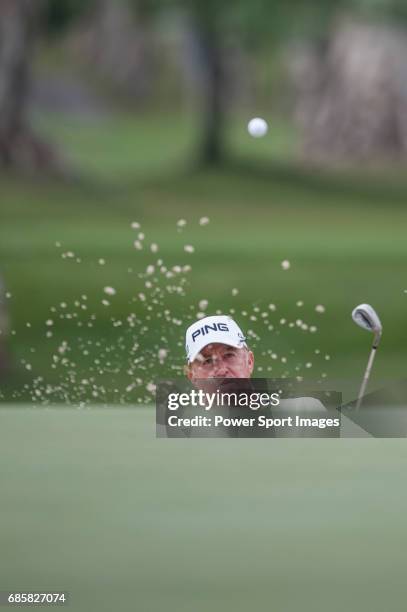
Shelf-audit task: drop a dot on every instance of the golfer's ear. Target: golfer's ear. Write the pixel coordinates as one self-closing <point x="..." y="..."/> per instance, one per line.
<point x="188" y="371"/>
<point x="250" y="361"/>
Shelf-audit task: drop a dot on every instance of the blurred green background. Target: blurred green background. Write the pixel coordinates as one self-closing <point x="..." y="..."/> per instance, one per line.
<point x="138" y="113"/>
<point x="124" y="113"/>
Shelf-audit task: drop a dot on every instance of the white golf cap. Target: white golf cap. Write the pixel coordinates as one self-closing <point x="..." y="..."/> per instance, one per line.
<point x="210" y="330"/>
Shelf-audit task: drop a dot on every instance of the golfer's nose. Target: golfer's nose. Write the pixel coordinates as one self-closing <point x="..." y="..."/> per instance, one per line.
<point x="219" y="369"/>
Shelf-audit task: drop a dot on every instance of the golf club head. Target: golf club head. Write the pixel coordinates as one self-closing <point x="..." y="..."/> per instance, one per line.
<point x="366" y="317"/>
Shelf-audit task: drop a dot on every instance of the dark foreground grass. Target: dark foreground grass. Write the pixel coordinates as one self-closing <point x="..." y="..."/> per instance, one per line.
<point x="93" y="504"/>
<point x="345" y="241"/>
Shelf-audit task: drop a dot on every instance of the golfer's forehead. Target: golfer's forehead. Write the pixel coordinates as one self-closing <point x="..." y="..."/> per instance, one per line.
<point x="211" y="350"/>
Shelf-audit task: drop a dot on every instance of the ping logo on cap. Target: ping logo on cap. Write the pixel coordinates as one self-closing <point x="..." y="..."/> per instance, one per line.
<point x="206" y="328"/>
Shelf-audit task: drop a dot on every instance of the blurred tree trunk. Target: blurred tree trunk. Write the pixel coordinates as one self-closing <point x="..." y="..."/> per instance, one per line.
<point x="18" y="146"/>
<point x="352" y="96"/>
<point x="211" y="152"/>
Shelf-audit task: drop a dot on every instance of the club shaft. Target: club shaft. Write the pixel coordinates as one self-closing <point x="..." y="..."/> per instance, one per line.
<point x="366" y="376"/>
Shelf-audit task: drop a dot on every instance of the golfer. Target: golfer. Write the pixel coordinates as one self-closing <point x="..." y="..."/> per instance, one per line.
<point x="217" y="355"/>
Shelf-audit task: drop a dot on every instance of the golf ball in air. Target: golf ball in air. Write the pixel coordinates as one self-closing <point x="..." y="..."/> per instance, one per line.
<point x="257" y="127"/>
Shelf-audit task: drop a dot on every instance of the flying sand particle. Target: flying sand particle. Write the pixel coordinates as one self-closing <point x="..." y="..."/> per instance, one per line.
<point x="109" y="290"/>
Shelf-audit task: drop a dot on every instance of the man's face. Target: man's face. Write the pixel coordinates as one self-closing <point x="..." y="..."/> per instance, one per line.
<point x="221" y="361"/>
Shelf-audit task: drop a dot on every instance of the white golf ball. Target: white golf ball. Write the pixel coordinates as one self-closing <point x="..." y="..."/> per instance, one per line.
<point x="257" y="127"/>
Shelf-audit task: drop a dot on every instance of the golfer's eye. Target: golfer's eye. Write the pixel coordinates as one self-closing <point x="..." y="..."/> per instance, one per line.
<point x="229" y="355"/>
<point x="207" y="361"/>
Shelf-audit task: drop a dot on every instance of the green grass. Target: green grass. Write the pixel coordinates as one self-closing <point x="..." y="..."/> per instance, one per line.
<point x="343" y="234"/>
<point x="93" y="504"/>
